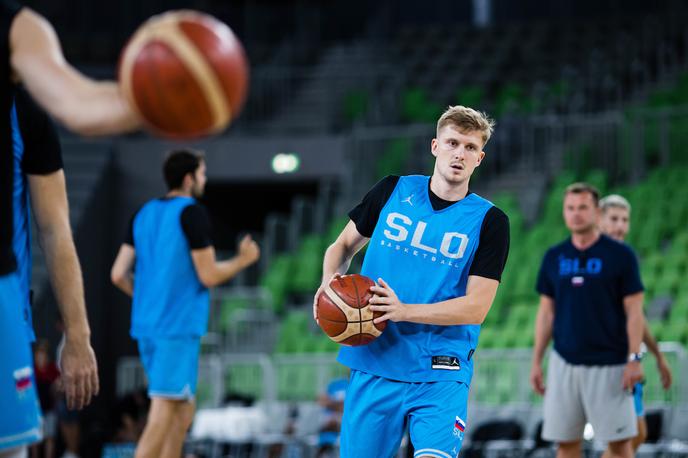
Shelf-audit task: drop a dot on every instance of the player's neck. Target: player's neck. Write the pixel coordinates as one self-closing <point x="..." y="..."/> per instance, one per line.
<point x="178" y="193"/>
<point x="447" y="191"/>
<point x="584" y="240"/>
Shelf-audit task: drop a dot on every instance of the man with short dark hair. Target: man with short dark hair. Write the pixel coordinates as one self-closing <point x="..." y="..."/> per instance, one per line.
<point x="170" y="248"/>
<point x="591" y="301"/>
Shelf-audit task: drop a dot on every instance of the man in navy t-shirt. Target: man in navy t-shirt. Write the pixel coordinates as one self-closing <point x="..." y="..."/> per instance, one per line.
<point x="591" y="301"/>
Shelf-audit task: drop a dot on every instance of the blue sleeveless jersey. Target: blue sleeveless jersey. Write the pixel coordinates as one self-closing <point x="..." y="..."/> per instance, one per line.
<point x="21" y="239"/>
<point x="169" y="299"/>
<point x="425" y="256"/>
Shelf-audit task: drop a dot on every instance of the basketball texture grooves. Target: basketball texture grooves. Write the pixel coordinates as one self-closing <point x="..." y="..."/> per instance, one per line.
<point x="343" y="311"/>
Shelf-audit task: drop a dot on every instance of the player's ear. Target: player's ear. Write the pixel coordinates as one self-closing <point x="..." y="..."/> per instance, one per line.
<point x="433" y="146"/>
<point x="480" y="158"/>
<point x="189" y="180"/>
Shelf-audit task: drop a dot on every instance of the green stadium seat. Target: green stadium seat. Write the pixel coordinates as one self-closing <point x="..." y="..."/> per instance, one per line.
<point x="229" y="308"/>
<point x="355" y="105"/>
<point x="276" y="279"/>
<point x="245" y="380"/>
<point x="470" y="96"/>
<point x="674" y="332"/>
<point x="394" y="158"/>
<point x="336" y="227"/>
<point x="597" y="178"/>
<point x="307" y="265"/>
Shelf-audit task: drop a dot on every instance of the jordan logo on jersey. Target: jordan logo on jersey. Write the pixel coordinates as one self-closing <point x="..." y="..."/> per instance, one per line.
<point x="453" y="245"/>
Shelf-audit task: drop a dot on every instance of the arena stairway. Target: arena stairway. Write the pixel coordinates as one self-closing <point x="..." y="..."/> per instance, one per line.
<point x="318" y="103"/>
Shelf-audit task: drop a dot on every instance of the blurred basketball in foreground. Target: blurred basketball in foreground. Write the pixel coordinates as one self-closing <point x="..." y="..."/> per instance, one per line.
<point x="343" y="311"/>
<point x="185" y="73"/>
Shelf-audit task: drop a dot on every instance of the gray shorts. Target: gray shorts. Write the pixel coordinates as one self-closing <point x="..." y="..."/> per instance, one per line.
<point x="577" y="394"/>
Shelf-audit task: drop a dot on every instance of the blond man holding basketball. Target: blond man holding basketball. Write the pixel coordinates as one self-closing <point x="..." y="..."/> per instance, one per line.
<point x="437" y="252"/>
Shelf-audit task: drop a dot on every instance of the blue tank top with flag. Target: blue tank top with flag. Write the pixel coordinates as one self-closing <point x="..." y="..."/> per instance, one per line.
<point x="425" y="256"/>
<point x="21" y="241"/>
<point x="169" y="299"/>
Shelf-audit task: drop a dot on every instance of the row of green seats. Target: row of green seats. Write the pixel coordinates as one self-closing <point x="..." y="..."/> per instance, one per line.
<point x="299" y="272"/>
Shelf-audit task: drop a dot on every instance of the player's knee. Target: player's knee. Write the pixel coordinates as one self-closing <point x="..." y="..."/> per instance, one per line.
<point x="162" y="411"/>
<point x="186" y="415"/>
<point x="569" y="449"/>
<point x="640" y="438"/>
<point x="621" y="449"/>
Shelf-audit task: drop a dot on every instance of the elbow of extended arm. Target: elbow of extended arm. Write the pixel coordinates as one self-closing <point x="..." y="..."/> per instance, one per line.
<point x="207" y="279"/>
<point x="117" y="277"/>
<point x="79" y="124"/>
<point x="479" y="313"/>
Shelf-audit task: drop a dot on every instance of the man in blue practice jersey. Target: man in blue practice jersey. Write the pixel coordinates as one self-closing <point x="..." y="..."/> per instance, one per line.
<point x="30" y="53"/>
<point x="170" y="249"/>
<point x="616" y="223"/>
<point x="39" y="185"/>
<point x="437" y="252"/>
<point x="591" y="300"/>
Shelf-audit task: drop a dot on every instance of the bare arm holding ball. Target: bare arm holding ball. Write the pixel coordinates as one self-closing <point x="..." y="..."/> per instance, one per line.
<point x="83" y="105"/>
<point x="469" y="309"/>
<point x="338" y="256"/>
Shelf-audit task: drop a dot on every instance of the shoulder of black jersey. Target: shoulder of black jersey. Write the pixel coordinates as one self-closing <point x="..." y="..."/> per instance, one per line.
<point x="497" y="214"/>
<point x="196" y="207"/>
<point x="28" y="109"/>
<point x="389" y="181"/>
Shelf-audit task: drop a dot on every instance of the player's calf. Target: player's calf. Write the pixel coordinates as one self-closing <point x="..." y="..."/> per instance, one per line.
<point x="161" y="419"/>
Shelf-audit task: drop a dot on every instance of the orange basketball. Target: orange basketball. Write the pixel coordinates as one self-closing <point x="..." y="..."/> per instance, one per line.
<point x="343" y="311"/>
<point x="185" y="73"/>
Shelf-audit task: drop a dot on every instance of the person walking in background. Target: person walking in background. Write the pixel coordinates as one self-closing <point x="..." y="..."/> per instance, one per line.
<point x="167" y="264"/>
<point x="616" y="223"/>
<point x="591" y="299"/>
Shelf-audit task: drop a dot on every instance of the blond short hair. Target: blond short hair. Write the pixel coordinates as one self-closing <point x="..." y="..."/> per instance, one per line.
<point x="467" y="120"/>
<point x="615" y="201"/>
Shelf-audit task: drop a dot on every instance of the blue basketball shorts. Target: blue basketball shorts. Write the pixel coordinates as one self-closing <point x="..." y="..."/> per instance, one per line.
<point x="377" y="412"/>
<point x="171" y="365"/>
<point x="638" y="399"/>
<point x="20" y="413"/>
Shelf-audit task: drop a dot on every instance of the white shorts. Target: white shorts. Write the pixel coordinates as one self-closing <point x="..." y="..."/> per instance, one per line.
<point x="577" y="394"/>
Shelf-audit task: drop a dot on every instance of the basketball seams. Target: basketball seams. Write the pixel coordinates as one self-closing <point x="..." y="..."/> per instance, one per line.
<point x="349" y="311"/>
<point x="358" y="303"/>
<point x="360" y="328"/>
<point x="167" y="31"/>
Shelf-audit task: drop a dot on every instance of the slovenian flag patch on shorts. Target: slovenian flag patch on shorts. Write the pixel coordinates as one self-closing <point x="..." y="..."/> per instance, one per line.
<point x="459" y="423"/>
<point x="22" y="378"/>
